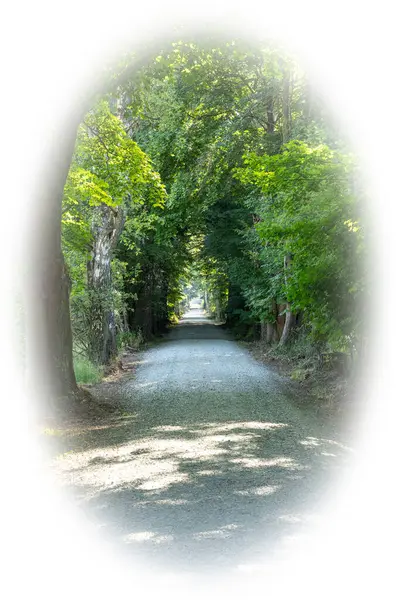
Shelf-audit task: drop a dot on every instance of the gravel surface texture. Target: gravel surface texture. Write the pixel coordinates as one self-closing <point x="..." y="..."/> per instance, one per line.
<point x="215" y="467"/>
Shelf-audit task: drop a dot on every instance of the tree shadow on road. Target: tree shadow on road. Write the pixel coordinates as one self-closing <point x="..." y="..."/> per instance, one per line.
<point x="199" y="496"/>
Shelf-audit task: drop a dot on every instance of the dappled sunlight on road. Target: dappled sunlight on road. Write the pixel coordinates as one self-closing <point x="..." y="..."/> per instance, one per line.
<point x="143" y="536"/>
<point x="281" y="461"/>
<point x="153" y="462"/>
<point x="243" y="425"/>
<point x="173" y="487"/>
<point x="265" y="490"/>
<point x="212" y="468"/>
<point x="313" y="441"/>
<point x="224" y="532"/>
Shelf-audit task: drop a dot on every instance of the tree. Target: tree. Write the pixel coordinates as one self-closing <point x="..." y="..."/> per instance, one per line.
<point x="215" y="161"/>
<point x="109" y="172"/>
<point x="308" y="211"/>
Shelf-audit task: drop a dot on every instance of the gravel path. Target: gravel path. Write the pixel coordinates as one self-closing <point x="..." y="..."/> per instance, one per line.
<point x="216" y="468"/>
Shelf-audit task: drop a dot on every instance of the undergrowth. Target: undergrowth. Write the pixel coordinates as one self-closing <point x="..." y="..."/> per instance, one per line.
<point x="86" y="371"/>
<point x="129" y="340"/>
<point x="324" y="376"/>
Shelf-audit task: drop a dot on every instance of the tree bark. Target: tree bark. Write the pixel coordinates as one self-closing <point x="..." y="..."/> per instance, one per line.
<point x="205" y="300"/>
<point x="50" y="361"/>
<point x="217" y="308"/>
<point x="143" y="318"/>
<point x="50" y="373"/>
<point x="272" y="330"/>
<point x="269" y="331"/>
<point x="272" y="333"/>
<point x="290" y="318"/>
<point x="106" y="228"/>
<point x="163" y="312"/>
<point x="264" y="331"/>
<point x="49" y="364"/>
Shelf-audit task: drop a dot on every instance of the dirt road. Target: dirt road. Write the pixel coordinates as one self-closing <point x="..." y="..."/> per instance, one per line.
<point x="217" y="467"/>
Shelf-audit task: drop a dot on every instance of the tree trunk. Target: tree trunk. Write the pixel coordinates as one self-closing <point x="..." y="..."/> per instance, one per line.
<point x="106" y="228"/>
<point x="290" y="318"/>
<point x="264" y="331"/>
<point x="163" y="318"/>
<point x="159" y="299"/>
<point x="143" y="309"/>
<point x="50" y="373"/>
<point x="286" y="125"/>
<point x="125" y="321"/>
<point x="269" y="331"/>
<point x="205" y="300"/>
<point x="272" y="333"/>
<point x="49" y="364"/>
<point x="51" y="353"/>
<point x="217" y="308"/>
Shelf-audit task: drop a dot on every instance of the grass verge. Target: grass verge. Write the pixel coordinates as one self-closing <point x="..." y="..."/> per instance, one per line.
<point x="87" y="372"/>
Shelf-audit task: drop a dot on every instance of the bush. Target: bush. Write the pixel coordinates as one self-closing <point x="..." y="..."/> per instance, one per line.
<point x="302" y="351"/>
<point x="130" y="339"/>
<point x="86" y="371"/>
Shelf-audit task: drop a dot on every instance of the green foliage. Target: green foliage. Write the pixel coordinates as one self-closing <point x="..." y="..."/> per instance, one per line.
<point x="307" y="210"/>
<point x="192" y="152"/>
<point x="130" y="340"/>
<point x="85" y="371"/>
<point x="110" y="170"/>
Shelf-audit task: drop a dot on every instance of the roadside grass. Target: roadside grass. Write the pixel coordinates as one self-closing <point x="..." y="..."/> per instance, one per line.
<point x="87" y="372"/>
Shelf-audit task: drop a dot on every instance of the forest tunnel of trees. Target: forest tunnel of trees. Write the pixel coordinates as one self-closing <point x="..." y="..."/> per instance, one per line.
<point x="215" y="169"/>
